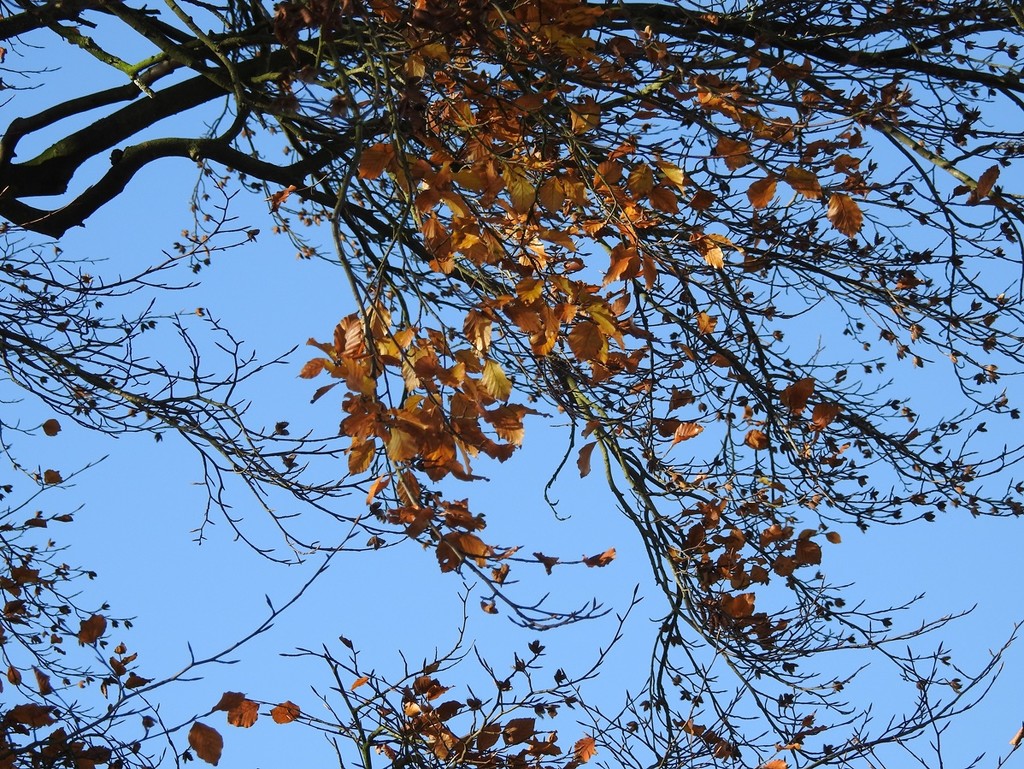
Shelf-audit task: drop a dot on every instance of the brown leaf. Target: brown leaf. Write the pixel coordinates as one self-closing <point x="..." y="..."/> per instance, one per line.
<point x="761" y="192"/>
<point x="803" y="181"/>
<point x="135" y="681"/>
<point x="833" y="537"/>
<point x="583" y="461"/>
<point x="601" y="559"/>
<point x="229" y="701"/>
<point x="51" y="427"/>
<point x="757" y="440"/>
<point x="824" y="414"/>
<point x="42" y="682"/>
<point x="845" y="214"/>
<point x="206" y="742"/>
<point x="795" y="396"/>
<point x="738" y="606"/>
<point x="984" y="187"/>
<point x="13" y="675"/>
<point x="547" y="560"/>
<point x="808" y="552"/>
<point x="457" y="545"/>
<point x="312" y="368"/>
<point x="285" y="713"/>
<point x="278" y="198"/>
<point x="373" y="160"/>
<point x="775" y="763"/>
<point x="244" y="714"/>
<point x="376" y="487"/>
<point x="31" y="715"/>
<point x="584" y="749"/>
<point x="90" y="630"/>
<point x="518" y="730"/>
<point x="51" y="477"/>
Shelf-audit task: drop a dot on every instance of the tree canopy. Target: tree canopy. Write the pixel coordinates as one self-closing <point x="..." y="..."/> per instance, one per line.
<point x="715" y="240"/>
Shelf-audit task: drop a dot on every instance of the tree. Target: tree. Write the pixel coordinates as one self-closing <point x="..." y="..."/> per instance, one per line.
<point x="629" y="214"/>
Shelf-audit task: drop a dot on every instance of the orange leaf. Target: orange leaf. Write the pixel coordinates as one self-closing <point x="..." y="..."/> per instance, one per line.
<point x="373" y="160"/>
<point x="91" y="629"/>
<point x="358" y="682"/>
<point x="738" y="606"/>
<point x="845" y="214"/>
<point x="584" y="749"/>
<point x="761" y="192"/>
<point x="312" y="368"/>
<point x="244" y="714"/>
<point x="279" y="197"/>
<point x="685" y="431"/>
<point x="601" y="559"/>
<point x="757" y="440"/>
<point x="51" y="427"/>
<point x="775" y="763"/>
<point x="376" y="487"/>
<point x="804" y="182"/>
<point x="285" y="713"/>
<point x="206" y="742"/>
<point x="457" y="545"/>
<point x="795" y="396"/>
<point x="583" y="461"/>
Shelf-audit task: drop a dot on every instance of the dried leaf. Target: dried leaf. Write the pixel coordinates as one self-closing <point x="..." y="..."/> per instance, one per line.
<point x="206" y="742"/>
<point x="358" y="682"/>
<point x="494" y="381"/>
<point x="229" y="701"/>
<point x="795" y="396"/>
<point x="804" y="182"/>
<point x="518" y="730"/>
<point x="583" y="461"/>
<point x="285" y="713"/>
<point x="733" y="152"/>
<point x="90" y="630"/>
<point x="584" y="749"/>
<point x="31" y="715"/>
<point x="312" y="368"/>
<point x="373" y="160"/>
<point x="775" y="763"/>
<point x="278" y="198"/>
<point x="824" y="414"/>
<point x="601" y="559"/>
<point x="761" y="192"/>
<point x="42" y="682"/>
<point x="685" y="431"/>
<point x="244" y="714"/>
<point x="51" y="427"/>
<point x="757" y="440"/>
<point x="51" y="477"/>
<point x="376" y="487"/>
<point x="984" y="186"/>
<point x="845" y="214"/>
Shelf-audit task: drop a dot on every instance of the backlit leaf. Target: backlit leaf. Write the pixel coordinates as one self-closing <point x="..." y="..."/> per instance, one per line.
<point x="373" y="160"/>
<point x="803" y="181"/>
<point x="824" y="414"/>
<point x="757" y="440"/>
<point x="358" y="682"/>
<point x="494" y="381"/>
<point x="845" y="214"/>
<point x="685" y="431"/>
<point x="285" y="713"/>
<point x="733" y="152"/>
<point x="206" y="742"/>
<point x="244" y="714"/>
<point x="583" y="461"/>
<point x="584" y="749"/>
<point x="761" y="192"/>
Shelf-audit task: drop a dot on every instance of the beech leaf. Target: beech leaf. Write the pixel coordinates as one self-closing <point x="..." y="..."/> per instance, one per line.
<point x="206" y="742"/>
<point x="845" y="214"/>
<point x="285" y="713"/>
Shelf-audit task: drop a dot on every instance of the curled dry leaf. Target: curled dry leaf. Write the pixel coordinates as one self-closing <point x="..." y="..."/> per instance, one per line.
<point x="92" y="629"/>
<point x="601" y="559"/>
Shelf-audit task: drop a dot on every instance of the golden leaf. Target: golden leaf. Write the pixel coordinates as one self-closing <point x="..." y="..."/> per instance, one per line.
<point x="757" y="440"/>
<point x="640" y="180"/>
<point x="376" y="487"/>
<point x="206" y="742"/>
<point x="685" y="431"/>
<point x="358" y="682"/>
<point x="584" y="749"/>
<point x="761" y="192"/>
<point x="845" y="214"/>
<point x="803" y="182"/>
<point x="494" y="381"/>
